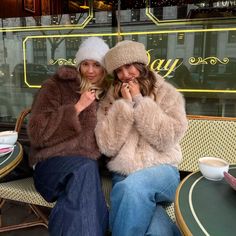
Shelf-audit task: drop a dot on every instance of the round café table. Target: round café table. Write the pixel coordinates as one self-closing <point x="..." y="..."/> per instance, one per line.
<point x="10" y="161"/>
<point x="205" y="207"/>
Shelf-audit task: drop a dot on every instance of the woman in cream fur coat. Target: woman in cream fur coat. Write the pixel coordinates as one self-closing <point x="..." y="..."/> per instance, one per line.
<point x="140" y="124"/>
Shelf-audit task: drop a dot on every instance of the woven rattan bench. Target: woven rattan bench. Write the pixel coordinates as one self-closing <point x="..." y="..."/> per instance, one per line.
<point x="206" y="136"/>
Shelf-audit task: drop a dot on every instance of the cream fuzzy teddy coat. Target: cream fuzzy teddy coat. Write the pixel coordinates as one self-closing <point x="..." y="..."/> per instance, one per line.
<point x="143" y="133"/>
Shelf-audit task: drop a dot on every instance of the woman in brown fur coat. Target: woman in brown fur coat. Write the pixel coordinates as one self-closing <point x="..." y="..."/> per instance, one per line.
<point x="140" y="124"/>
<point x="64" y="152"/>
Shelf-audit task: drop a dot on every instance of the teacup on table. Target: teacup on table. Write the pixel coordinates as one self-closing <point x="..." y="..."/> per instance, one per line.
<point x="213" y="168"/>
<point x="8" y="137"/>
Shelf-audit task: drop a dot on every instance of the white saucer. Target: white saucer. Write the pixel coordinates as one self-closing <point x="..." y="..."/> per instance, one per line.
<point x="8" y="146"/>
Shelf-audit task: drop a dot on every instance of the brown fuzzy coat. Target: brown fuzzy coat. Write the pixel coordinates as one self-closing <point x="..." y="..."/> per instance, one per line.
<point x="143" y="134"/>
<point x="54" y="127"/>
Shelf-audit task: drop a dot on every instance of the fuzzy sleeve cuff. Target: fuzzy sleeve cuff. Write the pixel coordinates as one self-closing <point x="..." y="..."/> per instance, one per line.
<point x="162" y="126"/>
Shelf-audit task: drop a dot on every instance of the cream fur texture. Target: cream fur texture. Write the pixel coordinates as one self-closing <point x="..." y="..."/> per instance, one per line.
<point x="137" y="135"/>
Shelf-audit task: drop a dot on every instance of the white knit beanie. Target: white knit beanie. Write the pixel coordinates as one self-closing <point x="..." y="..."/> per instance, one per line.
<point x="93" y="48"/>
<point x="125" y="52"/>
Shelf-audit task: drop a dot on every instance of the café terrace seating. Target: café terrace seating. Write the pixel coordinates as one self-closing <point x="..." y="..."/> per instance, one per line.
<point x="23" y="191"/>
<point x="206" y="136"/>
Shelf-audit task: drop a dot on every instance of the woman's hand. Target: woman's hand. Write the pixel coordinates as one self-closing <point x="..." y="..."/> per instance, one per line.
<point x="125" y="92"/>
<point x="134" y="87"/>
<point x="85" y="100"/>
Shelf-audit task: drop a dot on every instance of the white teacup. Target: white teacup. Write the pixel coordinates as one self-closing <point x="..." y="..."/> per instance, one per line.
<point x="213" y="168"/>
<point x="8" y="137"/>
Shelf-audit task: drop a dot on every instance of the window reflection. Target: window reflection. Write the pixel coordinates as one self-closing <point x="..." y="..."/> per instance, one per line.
<point x="32" y="52"/>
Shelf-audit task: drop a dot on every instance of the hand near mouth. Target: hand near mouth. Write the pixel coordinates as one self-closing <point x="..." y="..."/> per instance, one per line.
<point x="85" y="100"/>
<point x="134" y="87"/>
<point x="125" y="92"/>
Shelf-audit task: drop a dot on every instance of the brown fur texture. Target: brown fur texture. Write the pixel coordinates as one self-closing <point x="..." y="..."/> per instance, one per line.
<point x="54" y="127"/>
<point x="142" y="133"/>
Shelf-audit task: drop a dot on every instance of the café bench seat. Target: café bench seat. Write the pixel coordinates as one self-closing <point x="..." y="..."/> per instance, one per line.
<point x="208" y="136"/>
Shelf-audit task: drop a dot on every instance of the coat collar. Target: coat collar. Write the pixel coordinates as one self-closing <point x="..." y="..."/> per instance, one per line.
<point x="67" y="73"/>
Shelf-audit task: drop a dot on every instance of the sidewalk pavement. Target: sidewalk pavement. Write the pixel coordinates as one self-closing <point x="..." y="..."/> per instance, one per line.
<point x="13" y="212"/>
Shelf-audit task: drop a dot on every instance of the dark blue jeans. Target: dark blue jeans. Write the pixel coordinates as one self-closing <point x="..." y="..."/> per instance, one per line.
<point x="73" y="182"/>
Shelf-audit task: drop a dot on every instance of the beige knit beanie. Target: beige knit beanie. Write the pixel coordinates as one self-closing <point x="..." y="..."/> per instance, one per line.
<point x="125" y="52"/>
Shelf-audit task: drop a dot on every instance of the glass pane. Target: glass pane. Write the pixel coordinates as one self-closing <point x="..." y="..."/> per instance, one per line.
<point x="190" y="46"/>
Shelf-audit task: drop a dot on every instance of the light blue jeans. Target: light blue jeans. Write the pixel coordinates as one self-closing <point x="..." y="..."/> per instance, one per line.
<point x="137" y="202"/>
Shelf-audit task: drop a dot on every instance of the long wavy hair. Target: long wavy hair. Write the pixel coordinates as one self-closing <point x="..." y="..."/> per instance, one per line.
<point x="146" y="80"/>
<point x="101" y="87"/>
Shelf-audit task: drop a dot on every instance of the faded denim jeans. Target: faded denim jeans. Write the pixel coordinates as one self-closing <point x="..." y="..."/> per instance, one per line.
<point x="137" y="202"/>
<point x="74" y="182"/>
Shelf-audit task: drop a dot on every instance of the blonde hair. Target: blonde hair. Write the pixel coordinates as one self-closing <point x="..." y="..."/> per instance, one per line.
<point x="146" y="80"/>
<point x="100" y="88"/>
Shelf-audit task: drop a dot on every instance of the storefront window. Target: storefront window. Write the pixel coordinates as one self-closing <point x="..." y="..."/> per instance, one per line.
<point x="190" y="46"/>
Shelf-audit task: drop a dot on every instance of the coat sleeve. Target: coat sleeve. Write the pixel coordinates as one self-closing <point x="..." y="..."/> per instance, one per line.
<point x="113" y="128"/>
<point x="51" y="122"/>
<point x="161" y="123"/>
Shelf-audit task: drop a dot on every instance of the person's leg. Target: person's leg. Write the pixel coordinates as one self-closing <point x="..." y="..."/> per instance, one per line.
<point x="133" y="200"/>
<point x="74" y="183"/>
<point x="161" y="224"/>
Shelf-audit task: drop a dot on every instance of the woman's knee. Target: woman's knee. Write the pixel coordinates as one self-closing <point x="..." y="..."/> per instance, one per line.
<point x="91" y="163"/>
<point x="89" y="166"/>
<point x="128" y="187"/>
